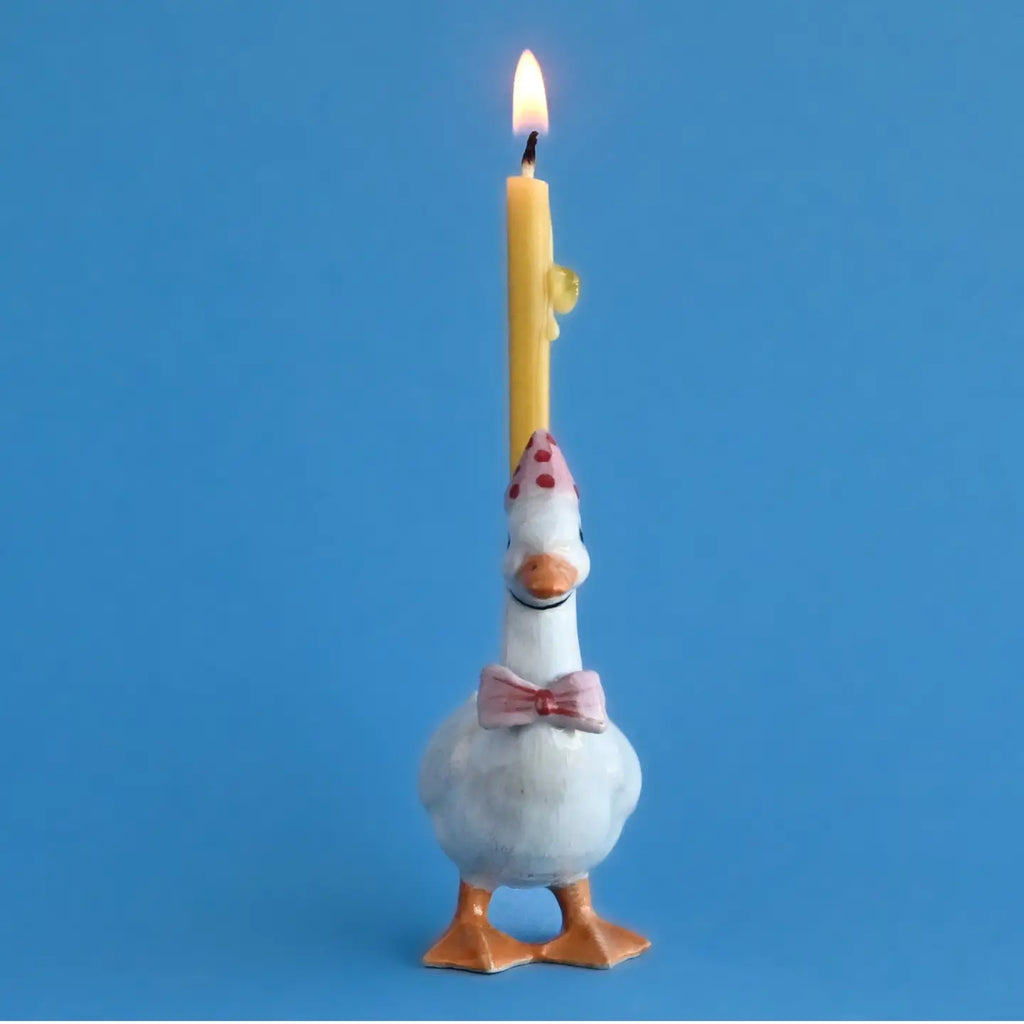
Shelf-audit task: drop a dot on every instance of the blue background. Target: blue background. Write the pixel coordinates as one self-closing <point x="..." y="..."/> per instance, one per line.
<point x="252" y="415"/>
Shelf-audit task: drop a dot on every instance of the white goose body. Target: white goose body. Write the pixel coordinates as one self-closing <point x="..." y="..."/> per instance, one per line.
<point x="531" y="805"/>
<point x="539" y="803"/>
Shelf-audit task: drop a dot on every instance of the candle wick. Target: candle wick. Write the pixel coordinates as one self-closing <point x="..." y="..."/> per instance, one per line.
<point x="530" y="155"/>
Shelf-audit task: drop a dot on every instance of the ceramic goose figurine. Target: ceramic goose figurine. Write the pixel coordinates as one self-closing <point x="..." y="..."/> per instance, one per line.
<point x="529" y="783"/>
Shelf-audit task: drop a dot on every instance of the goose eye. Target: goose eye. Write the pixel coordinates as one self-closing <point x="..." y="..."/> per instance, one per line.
<point x="508" y="543"/>
<point x="581" y="534"/>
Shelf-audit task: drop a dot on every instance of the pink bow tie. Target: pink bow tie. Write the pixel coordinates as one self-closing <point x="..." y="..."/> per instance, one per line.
<point x="573" y="701"/>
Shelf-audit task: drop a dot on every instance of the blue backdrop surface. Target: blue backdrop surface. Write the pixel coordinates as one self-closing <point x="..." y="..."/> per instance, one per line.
<point x="252" y="451"/>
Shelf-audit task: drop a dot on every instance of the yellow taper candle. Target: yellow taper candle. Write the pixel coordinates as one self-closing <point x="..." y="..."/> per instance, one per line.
<point x="537" y="287"/>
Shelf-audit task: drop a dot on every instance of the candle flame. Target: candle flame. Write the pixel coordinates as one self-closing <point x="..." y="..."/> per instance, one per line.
<point x="529" y="100"/>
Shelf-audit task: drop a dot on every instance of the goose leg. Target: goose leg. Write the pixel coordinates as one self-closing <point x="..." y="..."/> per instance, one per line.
<point x="472" y="943"/>
<point x="587" y="940"/>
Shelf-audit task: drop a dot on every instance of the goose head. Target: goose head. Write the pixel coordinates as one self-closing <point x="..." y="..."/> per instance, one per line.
<point x="546" y="560"/>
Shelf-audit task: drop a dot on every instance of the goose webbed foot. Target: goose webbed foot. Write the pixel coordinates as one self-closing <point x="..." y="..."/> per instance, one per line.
<point x="472" y="943"/>
<point x="587" y="940"/>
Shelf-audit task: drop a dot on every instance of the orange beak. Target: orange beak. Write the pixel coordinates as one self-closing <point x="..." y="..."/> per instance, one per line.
<point x="546" y="576"/>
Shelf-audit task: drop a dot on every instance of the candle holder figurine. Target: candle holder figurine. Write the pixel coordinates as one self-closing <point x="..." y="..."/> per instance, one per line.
<point x="529" y="782"/>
